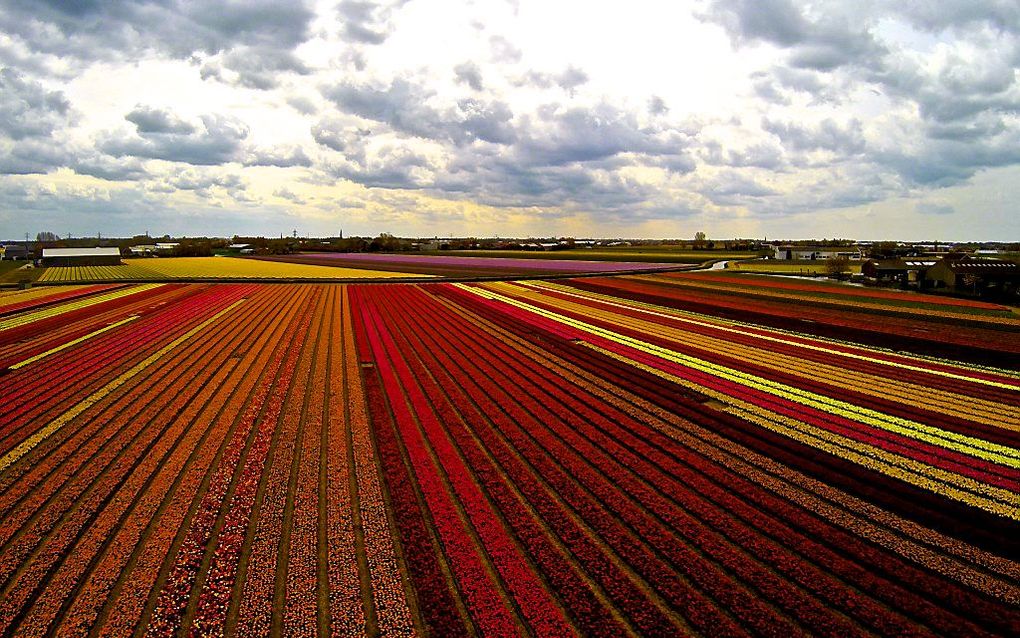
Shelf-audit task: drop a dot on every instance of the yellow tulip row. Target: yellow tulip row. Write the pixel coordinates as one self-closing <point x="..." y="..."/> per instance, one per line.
<point x="818" y="345"/>
<point x="840" y="301"/>
<point x="950" y="484"/>
<point x="938" y="479"/>
<point x="986" y="412"/>
<point x="996" y="453"/>
<point x="46" y="313"/>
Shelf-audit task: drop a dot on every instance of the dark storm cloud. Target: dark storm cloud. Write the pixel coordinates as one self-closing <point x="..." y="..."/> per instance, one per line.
<point x="824" y="42"/>
<point x="1002" y="15"/>
<point x="28" y="109"/>
<point x="829" y="135"/>
<point x="281" y="157"/>
<point x="217" y="142"/>
<point x="568" y="79"/>
<point x="469" y="73"/>
<point x="562" y="136"/>
<point x="32" y="156"/>
<point x="155" y="120"/>
<point x="110" y="168"/>
<point x="259" y="34"/>
<point x="405" y="108"/>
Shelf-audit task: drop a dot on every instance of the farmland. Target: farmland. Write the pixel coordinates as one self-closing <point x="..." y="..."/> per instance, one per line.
<point x="650" y="454"/>
<point x="169" y="268"/>
<point x="450" y="264"/>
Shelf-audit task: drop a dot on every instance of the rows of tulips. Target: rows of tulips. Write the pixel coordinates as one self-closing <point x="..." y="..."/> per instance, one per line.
<point x="175" y="494"/>
<point x="69" y="387"/>
<point x="364" y="499"/>
<point x="230" y="495"/>
<point x="542" y="458"/>
<point x="931" y="374"/>
<point x="72" y="375"/>
<point x="33" y="298"/>
<point x="933" y="308"/>
<point x="270" y="529"/>
<point x="891" y="418"/>
<point x="35" y="338"/>
<point x="767" y="284"/>
<point x="776" y="587"/>
<point x="149" y="484"/>
<point x="838" y="426"/>
<point x="914" y="333"/>
<point x="116" y="475"/>
<point x="900" y="596"/>
<point x="920" y="504"/>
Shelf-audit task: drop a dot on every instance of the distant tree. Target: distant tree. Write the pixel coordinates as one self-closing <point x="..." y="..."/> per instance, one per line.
<point x="47" y="236"/>
<point x="699" y="239"/>
<point x="837" y="265"/>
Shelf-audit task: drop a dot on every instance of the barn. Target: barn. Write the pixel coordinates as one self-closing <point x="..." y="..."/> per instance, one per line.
<point x="976" y="276"/>
<point x="98" y="256"/>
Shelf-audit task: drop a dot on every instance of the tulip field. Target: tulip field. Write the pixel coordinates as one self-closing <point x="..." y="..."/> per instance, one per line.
<point x="658" y="454"/>
<point x="212" y="268"/>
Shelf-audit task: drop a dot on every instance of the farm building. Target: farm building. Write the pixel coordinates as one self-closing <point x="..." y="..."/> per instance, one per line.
<point x="975" y="275"/>
<point x="815" y="252"/>
<point x="903" y="271"/>
<point x="98" y="256"/>
<point x="13" y="251"/>
<point x="146" y="250"/>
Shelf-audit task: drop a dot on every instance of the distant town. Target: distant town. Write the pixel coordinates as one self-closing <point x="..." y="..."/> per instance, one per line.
<point x="981" y="269"/>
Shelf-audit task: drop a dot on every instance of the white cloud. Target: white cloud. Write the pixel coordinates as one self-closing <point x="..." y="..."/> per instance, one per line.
<point x="747" y="116"/>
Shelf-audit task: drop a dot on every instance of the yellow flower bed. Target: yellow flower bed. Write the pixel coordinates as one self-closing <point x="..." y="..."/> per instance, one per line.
<point x="168" y="268"/>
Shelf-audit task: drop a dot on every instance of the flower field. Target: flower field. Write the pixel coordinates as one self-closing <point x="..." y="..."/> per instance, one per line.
<point x="648" y="455"/>
<point x="169" y="268"/>
<point x="468" y="266"/>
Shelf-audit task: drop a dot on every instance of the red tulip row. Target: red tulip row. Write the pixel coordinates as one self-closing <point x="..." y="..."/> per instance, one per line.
<point x="56" y="297"/>
<point x="919" y="335"/>
<point x="627" y="543"/>
<point x="75" y="373"/>
<point x="33" y="341"/>
<point x="921" y="451"/>
<point x="937" y="589"/>
<point x="31" y="483"/>
<point x="512" y="483"/>
<point x="837" y="354"/>
<point x="108" y="503"/>
<point x="717" y="584"/>
<point x="783" y="284"/>
<point x="459" y="509"/>
<point x="359" y="504"/>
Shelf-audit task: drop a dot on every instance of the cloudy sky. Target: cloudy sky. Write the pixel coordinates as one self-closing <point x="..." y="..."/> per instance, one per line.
<point x="779" y="118"/>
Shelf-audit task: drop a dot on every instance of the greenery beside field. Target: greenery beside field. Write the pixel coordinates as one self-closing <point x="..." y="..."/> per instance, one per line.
<point x="788" y="267"/>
